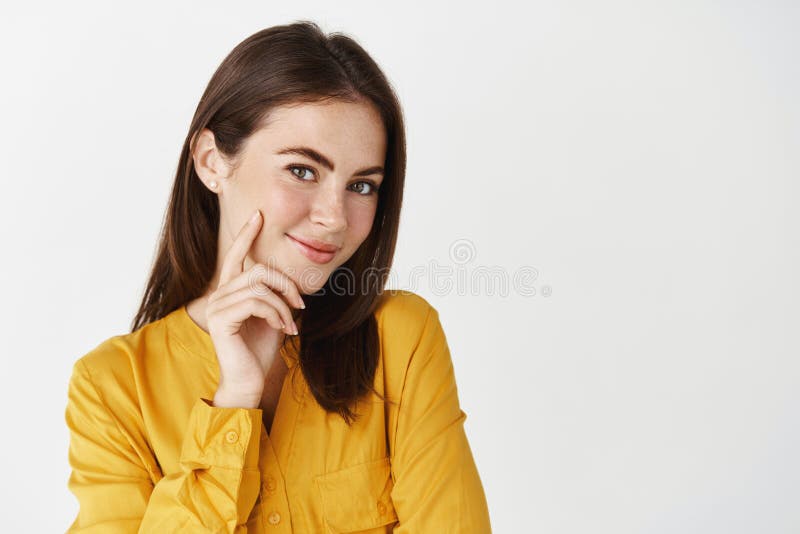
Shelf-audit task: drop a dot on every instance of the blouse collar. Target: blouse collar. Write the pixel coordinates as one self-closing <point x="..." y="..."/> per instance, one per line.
<point x="197" y="341"/>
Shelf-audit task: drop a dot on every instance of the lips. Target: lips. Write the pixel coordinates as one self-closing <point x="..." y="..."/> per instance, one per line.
<point x="316" y="244"/>
<point x="311" y="252"/>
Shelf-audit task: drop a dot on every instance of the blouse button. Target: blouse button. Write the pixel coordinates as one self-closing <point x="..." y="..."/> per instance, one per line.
<point x="381" y="508"/>
<point x="271" y="484"/>
<point x="274" y="518"/>
<point x="231" y="436"/>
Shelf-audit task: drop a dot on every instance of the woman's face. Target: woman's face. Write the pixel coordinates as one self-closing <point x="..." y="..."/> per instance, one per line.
<point x="313" y="172"/>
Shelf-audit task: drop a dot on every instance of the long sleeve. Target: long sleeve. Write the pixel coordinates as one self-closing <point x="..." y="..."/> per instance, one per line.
<point x="214" y="491"/>
<point x="437" y="487"/>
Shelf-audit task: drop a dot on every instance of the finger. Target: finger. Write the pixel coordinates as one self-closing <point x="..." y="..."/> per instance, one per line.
<point x="259" y="275"/>
<point x="282" y="311"/>
<point x="233" y="264"/>
<point x="276" y="280"/>
<point x="240" y="310"/>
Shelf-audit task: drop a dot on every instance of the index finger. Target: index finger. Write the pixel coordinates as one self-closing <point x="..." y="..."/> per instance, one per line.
<point x="233" y="264"/>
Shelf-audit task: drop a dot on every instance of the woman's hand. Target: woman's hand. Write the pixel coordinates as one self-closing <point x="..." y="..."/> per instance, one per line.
<point x="247" y="321"/>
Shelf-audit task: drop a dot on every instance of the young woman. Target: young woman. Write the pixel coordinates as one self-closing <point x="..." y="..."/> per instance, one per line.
<point x="269" y="383"/>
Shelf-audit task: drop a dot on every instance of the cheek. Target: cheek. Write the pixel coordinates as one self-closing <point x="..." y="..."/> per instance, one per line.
<point x="360" y="220"/>
<point x="282" y="210"/>
<point x="283" y="207"/>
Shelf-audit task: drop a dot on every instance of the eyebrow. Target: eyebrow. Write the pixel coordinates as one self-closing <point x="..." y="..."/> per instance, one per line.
<point x="326" y="162"/>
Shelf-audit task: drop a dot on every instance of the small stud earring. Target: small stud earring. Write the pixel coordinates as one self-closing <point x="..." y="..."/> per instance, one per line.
<point x="213" y="184"/>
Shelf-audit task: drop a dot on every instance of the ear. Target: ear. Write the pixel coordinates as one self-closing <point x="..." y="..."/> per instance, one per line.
<point x="209" y="164"/>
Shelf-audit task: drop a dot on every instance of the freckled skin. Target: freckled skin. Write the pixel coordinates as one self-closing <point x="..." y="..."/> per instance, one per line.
<point x="317" y="203"/>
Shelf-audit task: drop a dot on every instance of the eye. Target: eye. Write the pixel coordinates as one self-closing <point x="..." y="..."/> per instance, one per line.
<point x="302" y="168"/>
<point x="373" y="188"/>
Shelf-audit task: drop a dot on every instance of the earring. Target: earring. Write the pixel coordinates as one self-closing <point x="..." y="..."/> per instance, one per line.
<point x="213" y="184"/>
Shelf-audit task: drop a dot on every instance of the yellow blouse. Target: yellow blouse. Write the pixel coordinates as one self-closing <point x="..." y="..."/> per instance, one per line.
<point x="149" y="453"/>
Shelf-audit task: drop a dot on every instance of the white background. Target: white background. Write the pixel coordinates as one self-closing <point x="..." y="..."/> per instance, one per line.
<point x="642" y="157"/>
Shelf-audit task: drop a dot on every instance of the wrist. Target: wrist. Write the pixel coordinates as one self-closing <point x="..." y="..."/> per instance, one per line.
<point x="225" y="399"/>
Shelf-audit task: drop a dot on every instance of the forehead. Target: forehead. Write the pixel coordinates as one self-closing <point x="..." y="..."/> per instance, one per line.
<point x="352" y="134"/>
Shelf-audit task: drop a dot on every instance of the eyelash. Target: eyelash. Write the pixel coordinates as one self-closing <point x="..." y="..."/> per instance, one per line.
<point x="374" y="187"/>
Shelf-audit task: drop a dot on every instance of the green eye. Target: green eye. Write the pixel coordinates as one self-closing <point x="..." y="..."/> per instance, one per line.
<point x="293" y="167"/>
<point x="372" y="186"/>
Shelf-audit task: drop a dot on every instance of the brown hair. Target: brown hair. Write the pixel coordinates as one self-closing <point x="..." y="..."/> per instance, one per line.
<point x="283" y="65"/>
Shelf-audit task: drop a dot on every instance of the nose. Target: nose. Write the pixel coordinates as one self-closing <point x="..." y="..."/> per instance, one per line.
<point x="328" y="210"/>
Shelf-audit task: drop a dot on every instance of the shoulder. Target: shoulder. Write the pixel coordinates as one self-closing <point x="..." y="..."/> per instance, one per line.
<point x="112" y="354"/>
<point x="113" y="367"/>
<point x="103" y="397"/>
<point x="405" y="319"/>
<point x="404" y="310"/>
<point x="409" y="329"/>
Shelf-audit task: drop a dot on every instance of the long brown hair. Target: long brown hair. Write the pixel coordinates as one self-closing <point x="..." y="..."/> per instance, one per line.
<point x="281" y="65"/>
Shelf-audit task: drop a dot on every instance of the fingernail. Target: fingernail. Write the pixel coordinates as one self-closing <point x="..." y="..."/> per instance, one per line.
<point x="302" y="305"/>
<point x="294" y="325"/>
<point x="255" y="216"/>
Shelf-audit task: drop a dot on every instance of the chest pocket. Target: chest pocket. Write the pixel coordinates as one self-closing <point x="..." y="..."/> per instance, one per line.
<point x="357" y="498"/>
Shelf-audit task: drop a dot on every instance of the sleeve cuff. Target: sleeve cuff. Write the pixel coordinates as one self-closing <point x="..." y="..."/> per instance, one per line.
<point x="221" y="437"/>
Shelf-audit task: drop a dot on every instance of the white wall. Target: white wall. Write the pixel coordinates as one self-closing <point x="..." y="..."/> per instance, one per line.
<point x="642" y="157"/>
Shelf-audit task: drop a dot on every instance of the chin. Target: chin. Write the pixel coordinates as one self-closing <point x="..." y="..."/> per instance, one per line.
<point x="308" y="278"/>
